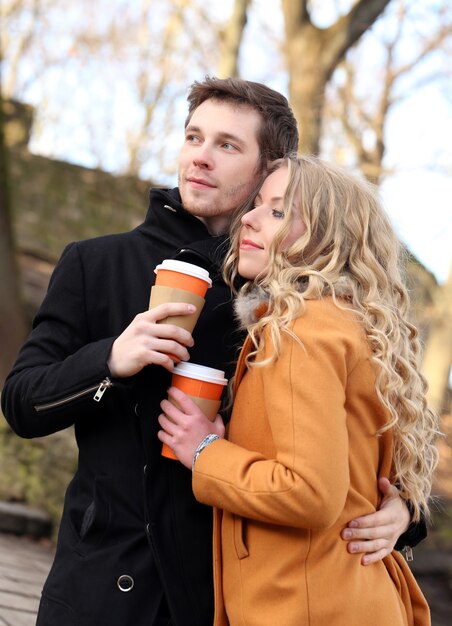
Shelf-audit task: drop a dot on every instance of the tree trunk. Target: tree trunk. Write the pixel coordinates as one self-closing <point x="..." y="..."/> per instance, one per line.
<point x="231" y="39"/>
<point x="13" y="326"/>
<point x="437" y="359"/>
<point x="312" y="56"/>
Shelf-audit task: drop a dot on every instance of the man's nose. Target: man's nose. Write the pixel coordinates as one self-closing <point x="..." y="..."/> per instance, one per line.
<point x="203" y="156"/>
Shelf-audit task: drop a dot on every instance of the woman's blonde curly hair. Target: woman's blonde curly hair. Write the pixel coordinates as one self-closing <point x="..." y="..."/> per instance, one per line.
<point x="350" y="252"/>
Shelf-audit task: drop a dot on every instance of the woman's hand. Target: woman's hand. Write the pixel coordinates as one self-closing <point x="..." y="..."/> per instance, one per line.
<point x="185" y="425"/>
<point x="376" y="534"/>
<point x="145" y="342"/>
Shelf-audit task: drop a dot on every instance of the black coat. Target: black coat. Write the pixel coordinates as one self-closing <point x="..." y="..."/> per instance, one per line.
<point x="128" y="510"/>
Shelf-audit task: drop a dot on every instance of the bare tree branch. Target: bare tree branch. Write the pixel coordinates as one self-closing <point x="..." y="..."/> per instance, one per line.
<point x="232" y="38"/>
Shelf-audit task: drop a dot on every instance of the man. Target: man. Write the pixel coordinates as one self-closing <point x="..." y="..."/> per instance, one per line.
<point x="134" y="547"/>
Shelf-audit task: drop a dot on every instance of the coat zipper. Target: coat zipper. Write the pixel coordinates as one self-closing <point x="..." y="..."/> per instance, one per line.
<point x="99" y="389"/>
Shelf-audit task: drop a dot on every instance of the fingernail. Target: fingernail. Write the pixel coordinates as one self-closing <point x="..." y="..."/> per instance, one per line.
<point x="191" y="308"/>
<point x="353" y="524"/>
<point x="347" y="534"/>
<point x="352" y="547"/>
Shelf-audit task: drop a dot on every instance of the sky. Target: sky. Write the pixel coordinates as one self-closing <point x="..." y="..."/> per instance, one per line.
<point x="418" y="197"/>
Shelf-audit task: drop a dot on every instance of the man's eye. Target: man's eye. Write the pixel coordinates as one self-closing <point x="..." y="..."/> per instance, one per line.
<point x="228" y="146"/>
<point x="278" y="214"/>
<point x="191" y="138"/>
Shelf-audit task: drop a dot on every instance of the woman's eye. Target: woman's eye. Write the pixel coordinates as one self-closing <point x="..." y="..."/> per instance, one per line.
<point x="278" y="214"/>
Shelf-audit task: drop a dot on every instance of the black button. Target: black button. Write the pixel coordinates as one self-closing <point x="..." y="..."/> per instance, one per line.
<point x="125" y="583"/>
<point x="145" y="469"/>
<point x="148" y="529"/>
<point x="136" y="409"/>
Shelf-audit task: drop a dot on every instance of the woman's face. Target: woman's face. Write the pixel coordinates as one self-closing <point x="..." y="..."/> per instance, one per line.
<point x="260" y="225"/>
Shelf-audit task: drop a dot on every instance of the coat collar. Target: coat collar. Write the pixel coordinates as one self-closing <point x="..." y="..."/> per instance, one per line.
<point x="250" y="306"/>
<point x="166" y="216"/>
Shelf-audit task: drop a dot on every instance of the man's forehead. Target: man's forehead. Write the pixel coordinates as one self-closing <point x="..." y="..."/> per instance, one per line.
<point x="228" y="108"/>
<point x="228" y="120"/>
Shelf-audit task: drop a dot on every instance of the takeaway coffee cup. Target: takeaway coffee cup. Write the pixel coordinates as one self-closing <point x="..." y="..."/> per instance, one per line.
<point x="204" y="385"/>
<point x="178" y="281"/>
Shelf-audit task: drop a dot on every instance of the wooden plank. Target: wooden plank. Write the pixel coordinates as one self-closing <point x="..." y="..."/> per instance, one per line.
<point x="21" y="588"/>
<point x="24" y="565"/>
<point x="17" y="618"/>
<point x="18" y="602"/>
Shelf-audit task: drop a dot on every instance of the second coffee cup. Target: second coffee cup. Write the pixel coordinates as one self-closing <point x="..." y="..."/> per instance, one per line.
<point x="204" y="385"/>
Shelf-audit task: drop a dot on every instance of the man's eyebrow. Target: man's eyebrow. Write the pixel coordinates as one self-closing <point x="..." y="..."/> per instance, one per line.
<point x="222" y="136"/>
<point x="192" y="128"/>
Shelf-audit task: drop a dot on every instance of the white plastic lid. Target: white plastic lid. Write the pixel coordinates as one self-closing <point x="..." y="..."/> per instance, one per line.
<point x="185" y="268"/>
<point x="200" y="372"/>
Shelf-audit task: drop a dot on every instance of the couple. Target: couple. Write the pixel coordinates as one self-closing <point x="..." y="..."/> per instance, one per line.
<point x="134" y="547"/>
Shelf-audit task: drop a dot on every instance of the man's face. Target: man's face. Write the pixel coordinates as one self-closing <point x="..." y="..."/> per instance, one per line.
<point x="218" y="162"/>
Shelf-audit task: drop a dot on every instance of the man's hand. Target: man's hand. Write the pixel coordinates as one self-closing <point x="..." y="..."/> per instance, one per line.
<point x="184" y="428"/>
<point x="376" y="534"/>
<point x="145" y="342"/>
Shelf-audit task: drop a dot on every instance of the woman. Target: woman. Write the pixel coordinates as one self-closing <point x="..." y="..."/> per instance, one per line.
<point x="327" y="399"/>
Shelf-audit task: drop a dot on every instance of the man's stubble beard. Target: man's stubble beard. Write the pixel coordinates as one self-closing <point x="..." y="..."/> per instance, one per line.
<point x="222" y="207"/>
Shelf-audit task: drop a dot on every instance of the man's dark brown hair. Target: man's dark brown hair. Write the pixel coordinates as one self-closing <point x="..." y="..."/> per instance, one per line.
<point x="278" y="133"/>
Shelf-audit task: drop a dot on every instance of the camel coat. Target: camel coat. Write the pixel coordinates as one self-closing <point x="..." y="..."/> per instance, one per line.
<point x="301" y="461"/>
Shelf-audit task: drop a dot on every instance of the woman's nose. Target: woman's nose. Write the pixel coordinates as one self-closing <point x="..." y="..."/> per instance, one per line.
<point x="250" y="219"/>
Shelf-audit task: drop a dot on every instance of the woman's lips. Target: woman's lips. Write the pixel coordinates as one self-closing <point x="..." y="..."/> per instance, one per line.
<point x="247" y="244"/>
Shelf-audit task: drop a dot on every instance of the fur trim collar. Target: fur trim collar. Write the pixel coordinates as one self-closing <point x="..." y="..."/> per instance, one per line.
<point x="250" y="306"/>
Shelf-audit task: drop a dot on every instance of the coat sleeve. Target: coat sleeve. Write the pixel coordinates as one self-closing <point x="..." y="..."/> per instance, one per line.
<point x="306" y="484"/>
<point x="58" y="361"/>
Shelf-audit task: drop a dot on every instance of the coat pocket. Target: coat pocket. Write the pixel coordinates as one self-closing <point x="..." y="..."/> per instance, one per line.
<point x="239" y="537"/>
<point x="91" y="529"/>
<point x="53" y="612"/>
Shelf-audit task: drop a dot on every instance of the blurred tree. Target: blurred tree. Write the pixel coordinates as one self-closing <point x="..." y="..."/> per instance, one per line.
<point x="361" y="111"/>
<point x="437" y="361"/>
<point x="12" y="318"/>
<point x="122" y="70"/>
<point x="231" y="38"/>
<point x="361" y="108"/>
<point x="313" y="54"/>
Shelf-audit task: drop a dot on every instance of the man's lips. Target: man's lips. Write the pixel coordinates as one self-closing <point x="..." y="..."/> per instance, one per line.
<point x="200" y="183"/>
<point x="247" y="244"/>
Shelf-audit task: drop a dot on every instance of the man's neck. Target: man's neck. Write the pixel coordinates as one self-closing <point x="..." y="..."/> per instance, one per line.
<point x="217" y="225"/>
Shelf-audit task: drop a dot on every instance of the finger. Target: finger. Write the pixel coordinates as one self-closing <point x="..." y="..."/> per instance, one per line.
<point x="379" y="518"/>
<point x="171" y="411"/>
<point x="168" y="425"/>
<point x="218" y="426"/>
<point x="154" y="357"/>
<point x="169" y="332"/>
<point x="169" y="309"/>
<point x="186" y="404"/>
<point x="369" y="559"/>
<point x="165" y="438"/>
<point x="374" y="532"/>
<point x="367" y="547"/>
<point x="386" y="488"/>
<point x="168" y="347"/>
